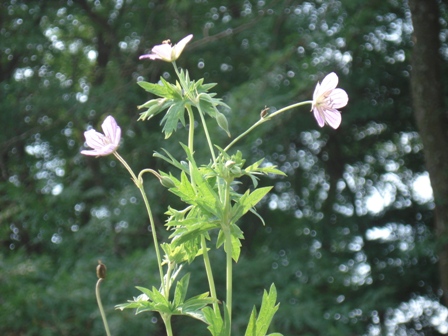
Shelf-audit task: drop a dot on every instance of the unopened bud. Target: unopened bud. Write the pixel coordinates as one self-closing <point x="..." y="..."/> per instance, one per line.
<point x="167" y="182"/>
<point x="229" y="163"/>
<point x="101" y="270"/>
<point x="264" y="112"/>
<point x="222" y="122"/>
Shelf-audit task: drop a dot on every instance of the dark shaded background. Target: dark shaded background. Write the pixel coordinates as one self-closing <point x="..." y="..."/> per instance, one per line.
<point x="350" y="243"/>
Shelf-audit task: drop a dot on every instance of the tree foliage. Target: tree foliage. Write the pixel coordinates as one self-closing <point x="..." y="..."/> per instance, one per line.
<point x="349" y="239"/>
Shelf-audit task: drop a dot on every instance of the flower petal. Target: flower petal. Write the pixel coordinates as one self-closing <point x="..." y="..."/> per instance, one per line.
<point x="327" y="99"/>
<point x="317" y="92"/>
<point x="329" y="82"/>
<point x="90" y="152"/>
<point x="163" y="51"/>
<point x="338" y="98"/>
<point x="166" y="52"/>
<point x="103" y="144"/>
<point x="319" y="117"/>
<point x="152" y="57"/>
<point x="108" y="149"/>
<point x="179" y="47"/>
<point x="94" y="139"/>
<point x="111" y="130"/>
<point x="333" y="118"/>
<point x="103" y="151"/>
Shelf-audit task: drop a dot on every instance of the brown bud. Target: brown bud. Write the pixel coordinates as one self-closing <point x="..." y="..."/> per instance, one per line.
<point x="101" y="270"/>
<point x="264" y="112"/>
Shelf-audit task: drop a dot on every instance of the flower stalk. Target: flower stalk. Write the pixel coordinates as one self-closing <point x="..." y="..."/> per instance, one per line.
<point x="101" y="274"/>
<point x="264" y="119"/>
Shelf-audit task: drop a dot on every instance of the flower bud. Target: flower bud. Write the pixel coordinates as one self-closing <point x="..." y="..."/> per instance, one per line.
<point x="167" y="182"/>
<point x="222" y="122"/>
<point x="101" y="270"/>
<point x="264" y="112"/>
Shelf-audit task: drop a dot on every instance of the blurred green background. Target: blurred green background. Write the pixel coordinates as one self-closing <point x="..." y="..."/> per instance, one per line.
<point x="351" y="240"/>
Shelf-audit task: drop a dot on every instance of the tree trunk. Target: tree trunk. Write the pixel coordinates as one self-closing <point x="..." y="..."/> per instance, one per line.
<point x="431" y="117"/>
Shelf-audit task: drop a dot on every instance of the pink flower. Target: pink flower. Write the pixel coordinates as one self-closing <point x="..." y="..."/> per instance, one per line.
<point x="166" y="52"/>
<point x="327" y="99"/>
<point x="103" y="144"/>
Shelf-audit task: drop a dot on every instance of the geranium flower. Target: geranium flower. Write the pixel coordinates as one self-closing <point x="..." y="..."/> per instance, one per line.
<point x="167" y="52"/>
<point x="327" y="99"/>
<point x="103" y="144"/>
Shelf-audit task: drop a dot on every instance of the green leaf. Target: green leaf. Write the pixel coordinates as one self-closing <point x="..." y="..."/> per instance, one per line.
<point x="182" y="235"/>
<point x="187" y="222"/>
<point x="146" y="307"/>
<point x="236" y="235"/>
<point x="271" y="170"/>
<point x="146" y="291"/>
<point x="214" y="321"/>
<point x="181" y="290"/>
<point x="184" y="189"/>
<point x="156" y="89"/>
<point x="254" y="211"/>
<point x="216" y="325"/>
<point x="159" y="302"/>
<point x="177" y="253"/>
<point x="236" y="248"/>
<point x="205" y="196"/>
<point x="255" y="169"/>
<point x="154" y="106"/>
<point x="170" y="120"/>
<point x="248" y="201"/>
<point x="252" y="326"/>
<point x="131" y="305"/>
<point x="170" y="159"/>
<point x="193" y="306"/>
<point x="140" y="303"/>
<point x="200" y="87"/>
<point x="267" y="312"/>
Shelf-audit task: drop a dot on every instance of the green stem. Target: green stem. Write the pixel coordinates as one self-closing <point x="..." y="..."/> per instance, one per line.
<point x="168" y="281"/>
<point x="191" y="143"/>
<point x="191" y="129"/>
<point x="191" y="148"/>
<point x="100" y="306"/>
<point x="208" y="270"/>
<point x="228" y="249"/>
<point x="139" y="183"/>
<point x="178" y="74"/>
<point x="167" y="321"/>
<point x="263" y="120"/>
<point x="207" y="135"/>
<point x="125" y="164"/>
<point x="148" y="170"/>
<point x="153" y="231"/>
<point x="229" y="266"/>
